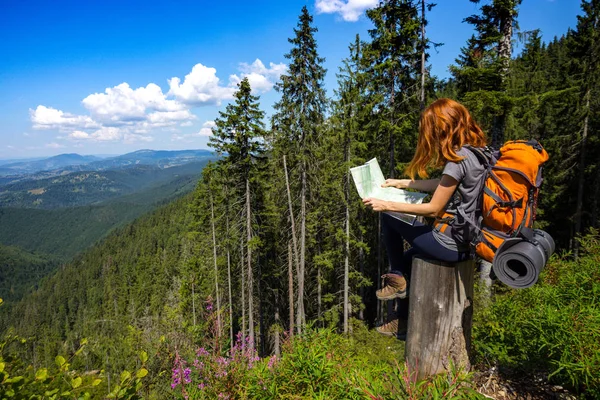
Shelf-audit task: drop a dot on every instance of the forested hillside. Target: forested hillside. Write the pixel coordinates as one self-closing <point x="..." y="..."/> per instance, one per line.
<point x="89" y="187"/>
<point x="275" y="241"/>
<point x="21" y="271"/>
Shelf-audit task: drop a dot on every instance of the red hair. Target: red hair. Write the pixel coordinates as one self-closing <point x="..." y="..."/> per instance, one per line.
<point x="445" y="127"/>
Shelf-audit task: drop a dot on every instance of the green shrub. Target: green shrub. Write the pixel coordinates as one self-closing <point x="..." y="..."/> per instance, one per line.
<point x="553" y="326"/>
<point x="20" y="381"/>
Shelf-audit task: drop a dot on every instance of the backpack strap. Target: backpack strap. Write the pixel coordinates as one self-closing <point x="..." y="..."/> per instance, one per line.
<point x="484" y="155"/>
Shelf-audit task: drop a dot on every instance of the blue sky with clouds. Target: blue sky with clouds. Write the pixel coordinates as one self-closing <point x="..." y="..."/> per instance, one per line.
<point x="110" y="77"/>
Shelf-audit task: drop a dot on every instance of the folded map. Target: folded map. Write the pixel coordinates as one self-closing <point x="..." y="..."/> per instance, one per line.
<point x="368" y="179"/>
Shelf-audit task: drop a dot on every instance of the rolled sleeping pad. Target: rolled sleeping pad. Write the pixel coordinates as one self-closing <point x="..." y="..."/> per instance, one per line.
<point x="518" y="262"/>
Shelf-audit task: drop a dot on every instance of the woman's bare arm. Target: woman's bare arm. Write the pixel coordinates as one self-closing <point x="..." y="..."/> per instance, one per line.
<point x="441" y="196"/>
<point x="427" y="185"/>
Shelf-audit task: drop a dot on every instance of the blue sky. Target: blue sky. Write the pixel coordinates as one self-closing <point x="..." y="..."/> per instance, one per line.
<point x="110" y="77"/>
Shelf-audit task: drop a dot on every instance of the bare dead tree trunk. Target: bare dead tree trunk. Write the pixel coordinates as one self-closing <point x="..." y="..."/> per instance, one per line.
<point x="229" y="283"/>
<point x="581" y="180"/>
<point x="193" y="303"/>
<point x="379" y="265"/>
<point x="301" y="316"/>
<point x="505" y="45"/>
<point x="249" y="258"/>
<point x="347" y="244"/>
<point x="504" y="53"/>
<point x="423" y="54"/>
<point x="212" y="222"/>
<point x="595" y="201"/>
<point x="242" y="264"/>
<point x="361" y="262"/>
<point x="276" y="345"/>
<point x="319" y="296"/>
<point x="291" y="289"/>
<point x="294" y="240"/>
<point x="392" y="138"/>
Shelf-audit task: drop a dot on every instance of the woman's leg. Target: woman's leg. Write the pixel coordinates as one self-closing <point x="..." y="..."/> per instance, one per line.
<point x="420" y="237"/>
<point x="422" y="241"/>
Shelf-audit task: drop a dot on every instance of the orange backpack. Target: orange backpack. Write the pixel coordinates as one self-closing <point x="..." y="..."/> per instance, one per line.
<point x="510" y="193"/>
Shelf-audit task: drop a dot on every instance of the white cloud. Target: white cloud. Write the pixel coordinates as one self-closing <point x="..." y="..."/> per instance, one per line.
<point x="205" y="131"/>
<point x="51" y="118"/>
<point x="78" y="135"/>
<point x="106" y="134"/>
<point x="133" y="138"/>
<point x="122" y="103"/>
<point x="122" y="113"/>
<point x="200" y="87"/>
<point x="207" y="128"/>
<point x="260" y="77"/>
<point x="164" y="118"/>
<point x="54" y="145"/>
<point x="349" y="10"/>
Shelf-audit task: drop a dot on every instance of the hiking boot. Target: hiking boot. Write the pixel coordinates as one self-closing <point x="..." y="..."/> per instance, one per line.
<point x="395" y="327"/>
<point x="394" y="287"/>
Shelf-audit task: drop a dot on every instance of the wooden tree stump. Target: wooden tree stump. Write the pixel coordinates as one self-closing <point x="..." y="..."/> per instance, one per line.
<point x="439" y="317"/>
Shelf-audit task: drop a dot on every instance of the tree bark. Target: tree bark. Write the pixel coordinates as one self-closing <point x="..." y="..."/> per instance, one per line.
<point x="212" y="222"/>
<point x="249" y="258"/>
<point x="229" y="283"/>
<point x="505" y="45"/>
<point x="347" y="244"/>
<point x="242" y="264"/>
<point x="379" y="263"/>
<point x="291" y="289"/>
<point x="294" y="240"/>
<point x="361" y="263"/>
<point x="301" y="318"/>
<point x="504" y="54"/>
<point x="439" y="317"/>
<point x="193" y="303"/>
<point x="276" y="345"/>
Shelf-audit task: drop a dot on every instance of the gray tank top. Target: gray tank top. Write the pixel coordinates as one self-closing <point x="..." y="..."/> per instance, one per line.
<point x="469" y="174"/>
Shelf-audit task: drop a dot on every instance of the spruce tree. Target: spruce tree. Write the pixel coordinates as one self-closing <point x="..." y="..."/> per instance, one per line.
<point x="297" y="122"/>
<point x="485" y="64"/>
<point x="394" y="56"/>
<point x="239" y="133"/>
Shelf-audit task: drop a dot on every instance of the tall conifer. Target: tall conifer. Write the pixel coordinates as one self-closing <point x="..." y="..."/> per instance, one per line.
<point x="239" y="133"/>
<point x="297" y="122"/>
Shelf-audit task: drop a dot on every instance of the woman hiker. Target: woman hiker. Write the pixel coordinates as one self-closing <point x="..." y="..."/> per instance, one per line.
<point x="445" y="128"/>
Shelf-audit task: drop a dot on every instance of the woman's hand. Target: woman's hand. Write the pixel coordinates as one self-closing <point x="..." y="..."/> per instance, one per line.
<point x="376" y="204"/>
<point x="397" y="183"/>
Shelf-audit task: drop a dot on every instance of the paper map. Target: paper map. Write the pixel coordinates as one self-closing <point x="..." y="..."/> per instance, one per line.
<point x="368" y="179"/>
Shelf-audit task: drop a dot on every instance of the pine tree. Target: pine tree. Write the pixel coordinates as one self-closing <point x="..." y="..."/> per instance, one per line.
<point x="297" y="121"/>
<point x="485" y="65"/>
<point x="239" y="133"/>
<point x="394" y="55"/>
<point x="348" y="121"/>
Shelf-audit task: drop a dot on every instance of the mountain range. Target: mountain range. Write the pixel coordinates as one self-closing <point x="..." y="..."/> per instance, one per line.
<point x="63" y="163"/>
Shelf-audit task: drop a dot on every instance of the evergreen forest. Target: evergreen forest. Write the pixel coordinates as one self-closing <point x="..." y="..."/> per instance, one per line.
<point x="261" y="282"/>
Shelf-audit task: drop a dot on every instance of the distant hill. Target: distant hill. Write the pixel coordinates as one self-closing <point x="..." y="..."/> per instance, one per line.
<point x="56" y="162"/>
<point x="91" y="187"/>
<point x="64" y="163"/>
<point x="18" y="160"/>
